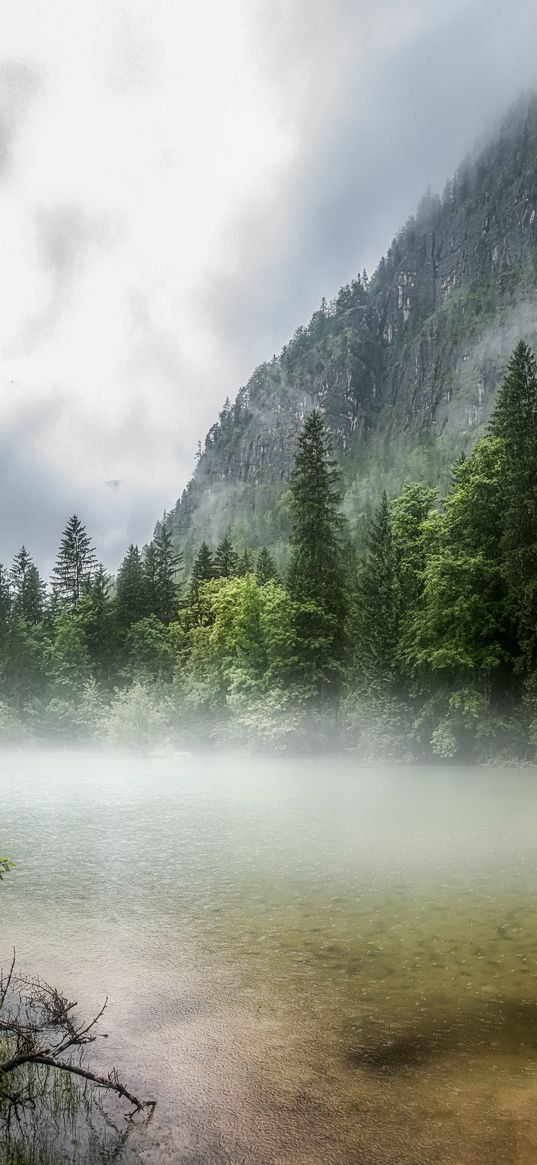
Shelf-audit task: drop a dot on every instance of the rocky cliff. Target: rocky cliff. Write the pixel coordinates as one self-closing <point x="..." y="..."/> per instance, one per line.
<point x="404" y="366"/>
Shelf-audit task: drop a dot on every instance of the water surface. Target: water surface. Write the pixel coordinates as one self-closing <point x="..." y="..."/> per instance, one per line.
<point x="306" y="961"/>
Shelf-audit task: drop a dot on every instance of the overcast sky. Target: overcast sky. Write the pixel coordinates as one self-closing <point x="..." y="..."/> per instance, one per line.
<point x="180" y="184"/>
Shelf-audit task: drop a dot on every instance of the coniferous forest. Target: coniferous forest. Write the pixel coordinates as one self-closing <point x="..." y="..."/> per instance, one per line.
<point x="424" y="645"/>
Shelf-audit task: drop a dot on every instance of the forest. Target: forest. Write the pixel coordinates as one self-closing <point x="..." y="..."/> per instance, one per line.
<point x="421" y="645"/>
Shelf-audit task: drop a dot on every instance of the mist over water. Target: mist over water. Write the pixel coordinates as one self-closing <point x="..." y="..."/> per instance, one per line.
<point x="306" y="961"/>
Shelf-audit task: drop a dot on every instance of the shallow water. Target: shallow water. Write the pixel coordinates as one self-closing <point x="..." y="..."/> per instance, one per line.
<point x="305" y="961"/>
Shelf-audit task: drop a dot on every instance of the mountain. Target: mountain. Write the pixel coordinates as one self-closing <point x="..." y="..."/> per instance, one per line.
<point x="403" y="366"/>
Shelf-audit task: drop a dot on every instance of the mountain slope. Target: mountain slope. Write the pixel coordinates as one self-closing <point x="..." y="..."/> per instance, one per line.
<point x="403" y="367"/>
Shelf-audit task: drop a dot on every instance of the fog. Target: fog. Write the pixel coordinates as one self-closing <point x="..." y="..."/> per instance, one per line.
<point x="304" y="958"/>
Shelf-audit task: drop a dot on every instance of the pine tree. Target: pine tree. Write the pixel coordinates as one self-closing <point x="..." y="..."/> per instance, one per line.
<point x="316" y="571"/>
<point x="27" y="588"/>
<point x="316" y="577"/>
<point x="75" y="564"/>
<point x="18" y="573"/>
<point x="131" y="597"/>
<point x="244" y="564"/>
<point x="514" y="421"/>
<point x="97" y="617"/>
<point x="150" y="578"/>
<point x="412" y="520"/>
<point x="203" y="568"/>
<point x="225" y="559"/>
<point x="168" y="564"/>
<point x="5" y="600"/>
<point x="378" y="599"/>
<point x="264" y="567"/>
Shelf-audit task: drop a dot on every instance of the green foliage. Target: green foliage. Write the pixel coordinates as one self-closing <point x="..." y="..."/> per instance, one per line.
<point x="226" y="559"/>
<point x="6" y="864"/>
<point x="264" y="567"/>
<point x="67" y="657"/>
<point x="138" y="718"/>
<point x="203" y="568"/>
<point x="419" y="640"/>
<point x="75" y="563"/>
<point x="97" y="616"/>
<point x="378" y="600"/>
<point x="131" y="602"/>
<point x="149" y="652"/>
<point x="514" y="423"/>
<point x="27" y="588"/>
<point x="316" y="576"/>
<point x="167" y="566"/>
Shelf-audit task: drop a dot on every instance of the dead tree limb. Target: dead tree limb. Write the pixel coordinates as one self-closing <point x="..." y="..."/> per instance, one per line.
<point x="40" y="1029"/>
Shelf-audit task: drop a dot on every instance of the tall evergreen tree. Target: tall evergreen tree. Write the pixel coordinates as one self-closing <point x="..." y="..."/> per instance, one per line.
<point x="168" y="564"/>
<point x="203" y="568"/>
<point x="150" y="578"/>
<point x="316" y="571"/>
<point x="264" y="567"/>
<point x="413" y="520"/>
<point x="456" y="641"/>
<point x="225" y="559"/>
<point x="5" y="597"/>
<point x="316" y="577"/>
<point x="378" y="599"/>
<point x="131" y="597"/>
<point x="244" y="564"/>
<point x="75" y="564"/>
<point x="5" y="612"/>
<point x="514" y="421"/>
<point x="19" y="571"/>
<point x="27" y="588"/>
<point x="97" y="616"/>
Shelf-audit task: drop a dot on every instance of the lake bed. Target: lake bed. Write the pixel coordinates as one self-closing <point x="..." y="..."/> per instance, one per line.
<point x="306" y="960"/>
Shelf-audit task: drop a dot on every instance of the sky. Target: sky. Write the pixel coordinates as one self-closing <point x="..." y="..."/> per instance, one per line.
<point x="180" y="184"/>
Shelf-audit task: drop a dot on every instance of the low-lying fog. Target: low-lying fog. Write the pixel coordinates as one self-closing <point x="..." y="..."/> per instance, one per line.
<point x="306" y="961"/>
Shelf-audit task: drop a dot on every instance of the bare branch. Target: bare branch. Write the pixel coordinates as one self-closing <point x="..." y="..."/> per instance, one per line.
<point x="41" y="1031"/>
<point x="5" y="984"/>
<point x="110" y="1082"/>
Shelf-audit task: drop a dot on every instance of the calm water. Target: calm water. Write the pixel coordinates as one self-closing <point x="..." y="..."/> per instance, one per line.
<point x="306" y="962"/>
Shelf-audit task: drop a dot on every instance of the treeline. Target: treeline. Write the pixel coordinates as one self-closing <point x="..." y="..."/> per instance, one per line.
<point x="426" y="646"/>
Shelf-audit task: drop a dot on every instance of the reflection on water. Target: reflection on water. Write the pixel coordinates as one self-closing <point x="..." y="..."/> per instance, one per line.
<point x="306" y="961"/>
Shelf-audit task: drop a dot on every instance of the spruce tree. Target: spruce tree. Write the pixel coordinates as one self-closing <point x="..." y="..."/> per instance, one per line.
<point x="514" y="421"/>
<point x="150" y="578"/>
<point x="131" y="596"/>
<point x="225" y="559"/>
<point x="316" y="577"/>
<point x="97" y="616"/>
<point x="203" y="568"/>
<point x="378" y="599"/>
<point x="264" y="567"/>
<point x="5" y="600"/>
<point x="168" y="563"/>
<point x="75" y="564"/>
<point x="19" y="571"/>
<point x="244" y="564"/>
<point x="316" y="569"/>
<point x="27" y="588"/>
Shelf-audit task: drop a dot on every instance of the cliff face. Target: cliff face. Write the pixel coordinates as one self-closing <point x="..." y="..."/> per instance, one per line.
<point x="404" y="367"/>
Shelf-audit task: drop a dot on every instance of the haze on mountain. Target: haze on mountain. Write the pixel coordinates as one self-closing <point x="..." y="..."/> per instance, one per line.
<point x="180" y="188"/>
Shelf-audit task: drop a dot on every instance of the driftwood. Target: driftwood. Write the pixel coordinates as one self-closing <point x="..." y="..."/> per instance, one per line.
<point x="40" y="1030"/>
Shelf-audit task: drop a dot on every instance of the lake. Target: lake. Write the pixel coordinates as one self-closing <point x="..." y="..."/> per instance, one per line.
<point x="306" y="961"/>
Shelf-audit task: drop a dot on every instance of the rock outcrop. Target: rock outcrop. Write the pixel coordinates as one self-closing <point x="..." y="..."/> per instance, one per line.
<point x="404" y="366"/>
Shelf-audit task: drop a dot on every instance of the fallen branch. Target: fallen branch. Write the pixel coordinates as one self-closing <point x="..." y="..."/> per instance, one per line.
<point x="40" y="1030"/>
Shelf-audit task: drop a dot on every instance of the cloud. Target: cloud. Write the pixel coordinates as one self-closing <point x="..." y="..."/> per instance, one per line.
<point x="19" y="86"/>
<point x="179" y="186"/>
<point x="65" y="236"/>
<point x="398" y="94"/>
